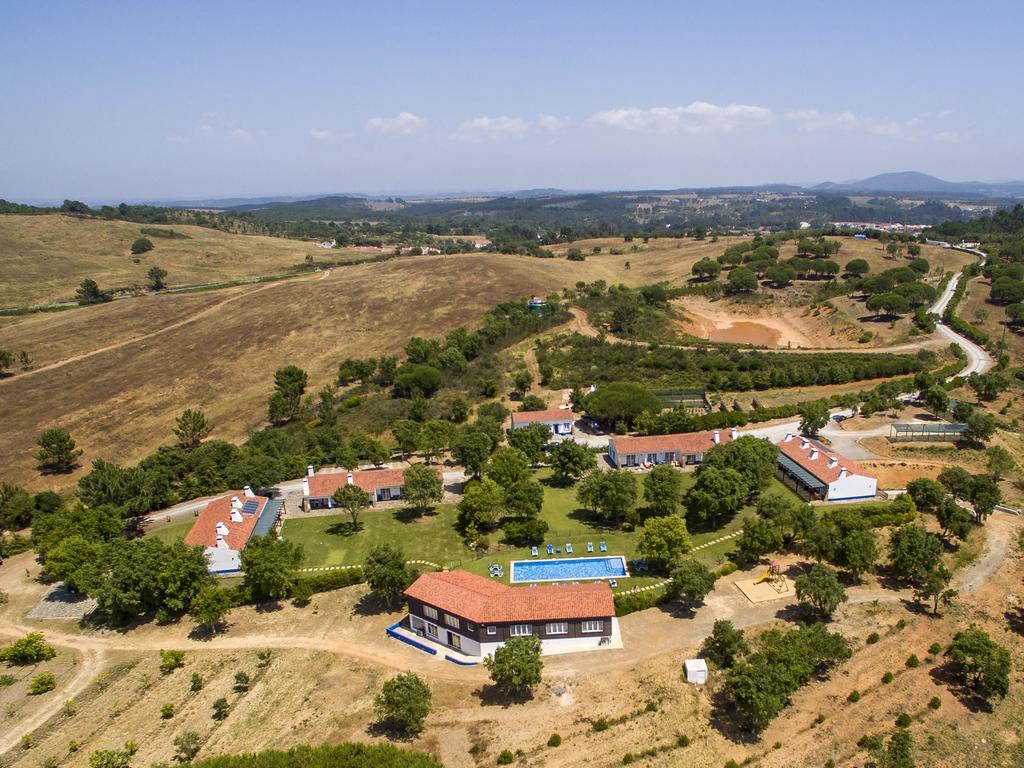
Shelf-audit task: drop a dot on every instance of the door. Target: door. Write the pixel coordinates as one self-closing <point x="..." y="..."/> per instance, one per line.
<point x="455" y="641"/>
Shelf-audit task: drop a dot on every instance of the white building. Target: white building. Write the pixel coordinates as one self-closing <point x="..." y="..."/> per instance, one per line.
<point x="683" y="449"/>
<point x="815" y="472"/>
<point x="559" y="421"/>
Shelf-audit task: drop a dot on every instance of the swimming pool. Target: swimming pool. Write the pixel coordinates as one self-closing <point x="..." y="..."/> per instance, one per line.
<point x="568" y="569"/>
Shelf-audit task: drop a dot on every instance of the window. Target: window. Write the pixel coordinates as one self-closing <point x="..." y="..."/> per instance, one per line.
<point x="521" y="630"/>
<point x="470" y="627"/>
<point x="492" y="630"/>
<point x="593" y="626"/>
<point x="430" y="613"/>
<point x="451" y="621"/>
<point x="432" y="630"/>
<point x="558" y="628"/>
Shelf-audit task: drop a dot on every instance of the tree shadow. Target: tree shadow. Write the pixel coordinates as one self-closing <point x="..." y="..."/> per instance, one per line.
<point x="371" y="604"/>
<point x="494" y="696"/>
<point x="797" y="613"/>
<point x="343" y="528"/>
<point x="951" y="676"/>
<point x="390" y="730"/>
<point x="202" y="632"/>
<point x="412" y="514"/>
<point x="724" y="719"/>
<point x="680" y="609"/>
<point x="591" y="518"/>
<point x="268" y="606"/>
<point x="1015" y="618"/>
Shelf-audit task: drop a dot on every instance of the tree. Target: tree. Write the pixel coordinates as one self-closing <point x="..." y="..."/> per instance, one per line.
<point x="289" y="386"/>
<point x="891" y="304"/>
<point x="742" y="280"/>
<point x="524" y="498"/>
<point x="221" y="708"/>
<point x="386" y="573"/>
<point x="987" y="386"/>
<point x="113" y="758"/>
<point x="522" y="380"/>
<point x="156" y="277"/>
<point x="141" y="245"/>
<point x="725" y="645"/>
<point x="354" y="500"/>
<point x="813" y="418"/>
<point x="89" y="293"/>
<point x="186" y="746"/>
<point x="6" y="360"/>
<point x="716" y="493"/>
<point x="620" y="402"/>
<point x="954" y="520"/>
<point x="403" y="702"/>
<point x="934" y="586"/>
<point x="525" y="532"/>
<point x="270" y="566"/>
<point x="760" y="536"/>
<point x="984" y="496"/>
<point x="210" y="606"/>
<point x="936" y="399"/>
<point x="664" y="541"/>
<point x="191" y="428"/>
<point x="913" y="552"/>
<point x="481" y="504"/>
<point x="781" y="275"/>
<point x="753" y="458"/>
<point x="858" y="267"/>
<point x="983" y="664"/>
<point x="413" y="379"/>
<point x="408" y="435"/>
<point x="423" y="487"/>
<point x="507" y="466"/>
<point x="57" y="453"/>
<point x="516" y="666"/>
<point x="821" y="589"/>
<point x="76" y="561"/>
<point x="957" y="481"/>
<point x="531" y="441"/>
<point x="472" y="448"/>
<point x="31" y="649"/>
<point x="691" y="581"/>
<point x="16" y="508"/>
<point x="980" y="427"/>
<point x="926" y="493"/>
<point x="1000" y="462"/>
<point x="531" y="403"/>
<point x="663" y="489"/>
<point x="435" y="436"/>
<point x="706" y="269"/>
<point x="570" y="461"/>
<point x="859" y="552"/>
<point x="613" y="495"/>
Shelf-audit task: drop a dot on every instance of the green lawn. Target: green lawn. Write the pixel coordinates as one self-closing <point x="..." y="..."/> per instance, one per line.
<point x="329" y="541"/>
<point x="173" y="531"/>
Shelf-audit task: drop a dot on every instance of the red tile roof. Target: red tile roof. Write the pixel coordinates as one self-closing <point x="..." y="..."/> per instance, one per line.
<point x="204" y="531"/>
<point x="687" y="442"/>
<point x="552" y="414"/>
<point x="819" y="466"/>
<point x="323" y="485"/>
<point x="485" y="601"/>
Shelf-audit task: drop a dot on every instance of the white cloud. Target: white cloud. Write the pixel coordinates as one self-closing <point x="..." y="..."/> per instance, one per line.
<point x="491" y="129"/>
<point x="552" y="123"/>
<point x="696" y="117"/>
<point x="326" y="134"/>
<point x="912" y="129"/>
<point x="402" y="124"/>
<point x="813" y="120"/>
<point x="214" y="127"/>
<point x="950" y="137"/>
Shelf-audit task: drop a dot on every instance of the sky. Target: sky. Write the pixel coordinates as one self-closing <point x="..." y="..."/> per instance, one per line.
<point x="108" y="101"/>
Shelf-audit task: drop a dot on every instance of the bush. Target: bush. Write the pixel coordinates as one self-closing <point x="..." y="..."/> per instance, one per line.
<point x="726" y="569"/>
<point x="913" y="662"/>
<point x="626" y="603"/>
<point x="903" y="721"/>
<point x="819" y="719"/>
<point x="220" y="708"/>
<point x="170" y="661"/>
<point x="196" y="683"/>
<point x="934" y="649"/>
<point x="870" y="743"/>
<point x="887" y="678"/>
<point x="166" y="711"/>
<point x="6" y="680"/>
<point x="873" y="638"/>
<point x="935" y="702"/>
<point x="31" y="649"/>
<point x="242" y="682"/>
<point x="601" y="724"/>
<point x="506" y="757"/>
<point x="44" y="682"/>
<point x="682" y="740"/>
<point x="854" y="696"/>
<point x="555" y="740"/>
<point x="628" y="758"/>
<point x="142" y="245"/>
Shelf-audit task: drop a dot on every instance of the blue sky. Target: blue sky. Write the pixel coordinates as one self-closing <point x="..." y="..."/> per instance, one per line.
<point x="110" y="101"/>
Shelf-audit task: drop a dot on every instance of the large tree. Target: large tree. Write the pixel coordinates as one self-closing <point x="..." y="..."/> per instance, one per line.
<point x="386" y="573"/>
<point x="57" y="452"/>
<point x="691" y="581"/>
<point x="934" y="586"/>
<point x="530" y="440"/>
<point x="820" y="588"/>
<point x="613" y="494"/>
<point x="472" y="448"/>
<point x="664" y="541"/>
<point x="752" y="457"/>
<point x="354" y="500"/>
<point x="516" y="666"/>
<point x="481" y="504"/>
<point x="813" y="418"/>
<point x="570" y="461"/>
<point x="913" y="552"/>
<point x="663" y="489"/>
<point x="270" y="566"/>
<point x="983" y="664"/>
<point x="717" y="493"/>
<point x="725" y="645"/>
<point x="507" y="466"/>
<point x="289" y="386"/>
<point x="423" y="487"/>
<point x="403" y="702"/>
<point x="209" y="607"/>
<point x="191" y="428"/>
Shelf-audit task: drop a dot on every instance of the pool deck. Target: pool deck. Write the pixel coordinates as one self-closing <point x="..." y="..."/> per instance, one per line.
<point x="567" y="579"/>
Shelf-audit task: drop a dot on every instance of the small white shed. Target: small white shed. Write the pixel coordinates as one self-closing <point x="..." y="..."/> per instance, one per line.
<point x="696" y="671"/>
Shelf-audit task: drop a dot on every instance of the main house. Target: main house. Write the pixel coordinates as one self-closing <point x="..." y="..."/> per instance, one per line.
<point x="815" y="472"/>
<point x="226" y="525"/>
<point x="681" y="449"/>
<point x="559" y="421"/>
<point x="379" y="484"/>
<point x="475" y="615"/>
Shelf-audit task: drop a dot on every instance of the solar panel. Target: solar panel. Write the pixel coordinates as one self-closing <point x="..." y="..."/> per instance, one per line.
<point x="250" y="507"/>
<point x="800" y="473"/>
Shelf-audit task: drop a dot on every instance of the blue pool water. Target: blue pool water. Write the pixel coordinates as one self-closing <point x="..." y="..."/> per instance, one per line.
<point x="569" y="569"/>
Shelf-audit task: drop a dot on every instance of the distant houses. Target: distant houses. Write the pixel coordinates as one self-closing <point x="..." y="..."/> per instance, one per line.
<point x="228" y="523"/>
<point x="816" y="472"/>
<point x="559" y="421"/>
<point x="681" y="449"/>
<point x="379" y="484"/>
<point x="475" y="615"/>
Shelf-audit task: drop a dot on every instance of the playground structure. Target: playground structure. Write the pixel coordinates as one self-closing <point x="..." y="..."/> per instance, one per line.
<point x="770" y="585"/>
<point x="773" y="577"/>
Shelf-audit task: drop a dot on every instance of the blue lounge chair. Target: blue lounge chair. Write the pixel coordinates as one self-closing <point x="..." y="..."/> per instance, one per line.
<point x="590" y="546"/>
<point x="568" y="548"/>
<point x="604" y="547"/>
<point x="558" y="550"/>
<point x="551" y="549"/>
<point x="533" y="551"/>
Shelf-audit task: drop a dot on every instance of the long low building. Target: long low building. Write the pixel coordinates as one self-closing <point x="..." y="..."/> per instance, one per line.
<point x="815" y="472"/>
<point x="379" y="484"/>
<point x="558" y="420"/>
<point x="475" y="615"/>
<point x="687" y="448"/>
<point x="227" y="524"/>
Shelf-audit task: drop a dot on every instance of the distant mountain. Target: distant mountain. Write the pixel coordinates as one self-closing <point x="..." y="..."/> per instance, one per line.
<point x="912" y="182"/>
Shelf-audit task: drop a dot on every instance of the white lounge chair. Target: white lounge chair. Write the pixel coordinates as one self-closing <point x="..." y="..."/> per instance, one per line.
<point x="603" y="546"/>
<point x="590" y="546"/>
<point x="533" y="551"/>
<point x="568" y="548"/>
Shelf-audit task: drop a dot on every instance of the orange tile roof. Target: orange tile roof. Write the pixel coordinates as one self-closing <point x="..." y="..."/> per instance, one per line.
<point x="687" y="442"/>
<point x="552" y="414"/>
<point x="323" y="485"/>
<point x="819" y="466"/>
<point x="204" y="531"/>
<point x="486" y="601"/>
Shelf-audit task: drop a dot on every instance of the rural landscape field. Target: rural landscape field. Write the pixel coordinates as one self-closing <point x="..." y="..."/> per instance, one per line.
<point x="399" y="387"/>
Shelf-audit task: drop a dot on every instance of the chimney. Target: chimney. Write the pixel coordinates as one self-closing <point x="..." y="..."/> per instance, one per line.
<point x="804" y="442"/>
<point x="236" y="516"/>
<point x="351" y="479"/>
<point x="236" y="503"/>
<point x="305" y="486"/>
<point x="247" y="490"/>
<point x="310" y="471"/>
<point x="734" y="433"/>
<point x="842" y="472"/>
<point x="222" y="530"/>
<point x="221" y="544"/>
<point x="814" y="454"/>
<point x="788" y="437"/>
<point x="832" y="462"/>
<point x="716" y="437"/>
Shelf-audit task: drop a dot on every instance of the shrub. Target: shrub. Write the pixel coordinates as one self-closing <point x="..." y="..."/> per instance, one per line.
<point x="186" y="746"/>
<point x="72" y="746"/>
<point x="731" y="764"/>
<point x="873" y="638"/>
<point x="170" y="661"/>
<point x="600" y="724"/>
<point x="628" y="758"/>
<point x="682" y="740"/>
<point x="935" y="702"/>
<point x="726" y="569"/>
<point x="934" y="649"/>
<point x="854" y="697"/>
<point x="403" y="702"/>
<point x="901" y="624"/>
<point x="819" y="719"/>
<point x="777" y="745"/>
<point x="903" y="721"/>
<point x="242" y="682"/>
<point x="652" y="706"/>
<point x="6" y="680"/>
<point x="44" y="682"/>
<point x="220" y="708"/>
<point x="31" y="649"/>
<point x="887" y="678"/>
<point x="196" y="684"/>
<point x="555" y="740"/>
<point x="166" y="711"/>
<point x="141" y="245"/>
<point x="870" y="742"/>
<point x="506" y="757"/>
<point x="913" y="662"/>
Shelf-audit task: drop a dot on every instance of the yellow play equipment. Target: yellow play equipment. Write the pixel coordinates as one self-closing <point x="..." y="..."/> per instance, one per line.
<point x="774" y="577"/>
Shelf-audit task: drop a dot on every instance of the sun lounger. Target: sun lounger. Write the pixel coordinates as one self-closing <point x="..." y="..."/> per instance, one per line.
<point x="558" y="550"/>
<point x="590" y="546"/>
<point x="613" y="583"/>
<point x="568" y="548"/>
<point x="603" y="546"/>
<point x="551" y="549"/>
<point x="533" y="551"/>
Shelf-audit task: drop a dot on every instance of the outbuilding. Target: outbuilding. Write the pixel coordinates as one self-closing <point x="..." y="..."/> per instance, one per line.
<point x="696" y="671"/>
